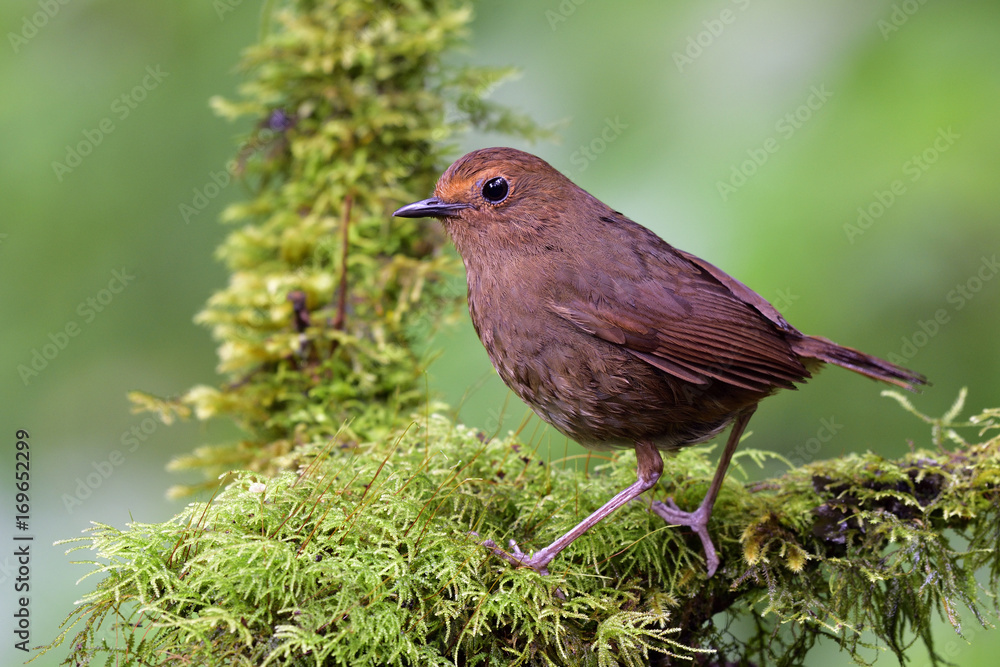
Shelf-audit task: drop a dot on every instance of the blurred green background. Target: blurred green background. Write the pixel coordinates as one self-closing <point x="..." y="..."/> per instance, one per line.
<point x="840" y="158"/>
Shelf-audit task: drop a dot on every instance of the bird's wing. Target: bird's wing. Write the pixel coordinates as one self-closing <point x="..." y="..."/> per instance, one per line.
<point x="688" y="319"/>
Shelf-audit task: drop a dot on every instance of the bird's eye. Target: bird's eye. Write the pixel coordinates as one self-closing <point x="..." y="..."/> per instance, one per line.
<point x="495" y="190"/>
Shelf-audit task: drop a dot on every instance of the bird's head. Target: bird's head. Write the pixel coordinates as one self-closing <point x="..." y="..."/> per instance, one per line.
<point x="499" y="196"/>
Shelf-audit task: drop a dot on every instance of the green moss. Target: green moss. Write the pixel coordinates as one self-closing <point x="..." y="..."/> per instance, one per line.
<point x="369" y="558"/>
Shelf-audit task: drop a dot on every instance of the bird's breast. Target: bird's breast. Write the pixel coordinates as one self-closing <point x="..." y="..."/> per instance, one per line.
<point x="592" y="390"/>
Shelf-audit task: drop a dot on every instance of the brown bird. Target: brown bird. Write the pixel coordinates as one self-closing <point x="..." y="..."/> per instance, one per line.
<point x="612" y="335"/>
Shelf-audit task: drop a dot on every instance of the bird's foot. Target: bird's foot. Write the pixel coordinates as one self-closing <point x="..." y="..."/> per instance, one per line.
<point x="696" y="521"/>
<point x="538" y="562"/>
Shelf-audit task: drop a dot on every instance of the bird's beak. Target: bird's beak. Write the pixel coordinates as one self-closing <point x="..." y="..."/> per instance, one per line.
<point x="430" y="208"/>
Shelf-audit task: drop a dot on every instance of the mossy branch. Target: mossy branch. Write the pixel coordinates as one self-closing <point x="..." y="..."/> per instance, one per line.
<point x="370" y="558"/>
<point x="349" y="537"/>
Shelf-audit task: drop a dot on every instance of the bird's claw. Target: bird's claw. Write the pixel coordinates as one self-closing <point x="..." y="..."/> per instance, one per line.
<point x="517" y="557"/>
<point x="669" y="504"/>
<point x="696" y="521"/>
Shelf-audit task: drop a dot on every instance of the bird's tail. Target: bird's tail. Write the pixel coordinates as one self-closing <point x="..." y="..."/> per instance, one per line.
<point x="815" y="347"/>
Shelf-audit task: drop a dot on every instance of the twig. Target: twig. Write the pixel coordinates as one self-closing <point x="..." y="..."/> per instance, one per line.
<point x="338" y="322"/>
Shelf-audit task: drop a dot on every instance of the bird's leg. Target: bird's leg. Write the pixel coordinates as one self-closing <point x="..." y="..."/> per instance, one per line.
<point x="698" y="519"/>
<point x="649" y="466"/>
